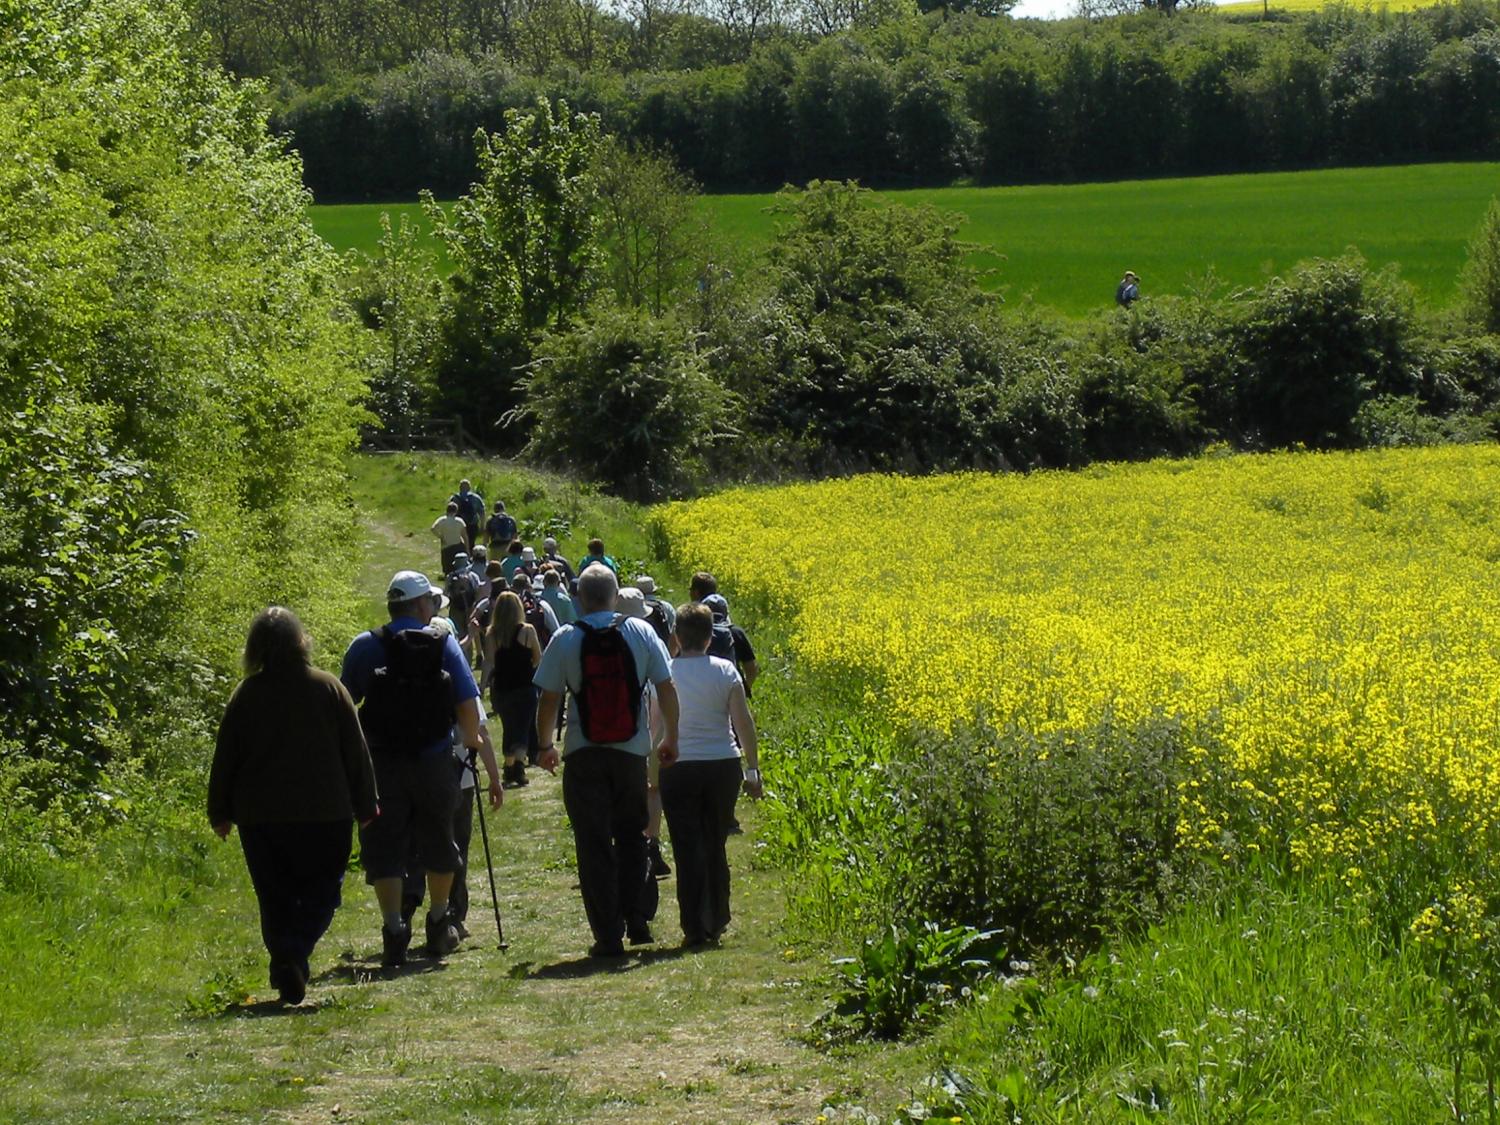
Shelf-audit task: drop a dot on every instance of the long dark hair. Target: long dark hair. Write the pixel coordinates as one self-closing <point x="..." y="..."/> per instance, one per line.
<point x="276" y="642"/>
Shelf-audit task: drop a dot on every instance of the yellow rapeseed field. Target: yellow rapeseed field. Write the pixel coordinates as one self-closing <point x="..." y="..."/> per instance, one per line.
<point x="1241" y="6"/>
<point x="1334" y="618"/>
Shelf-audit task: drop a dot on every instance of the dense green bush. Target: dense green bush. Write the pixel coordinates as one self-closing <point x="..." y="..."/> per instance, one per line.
<point x="1054" y="839"/>
<point x="1315" y="346"/>
<point x="1481" y="277"/>
<point x="178" y="368"/>
<point x="624" y="399"/>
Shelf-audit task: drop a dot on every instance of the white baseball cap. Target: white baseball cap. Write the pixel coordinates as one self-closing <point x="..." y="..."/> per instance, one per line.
<point x="409" y="584"/>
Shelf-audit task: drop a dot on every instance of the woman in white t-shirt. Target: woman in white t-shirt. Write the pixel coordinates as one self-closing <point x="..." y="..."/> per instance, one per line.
<point x="699" y="790"/>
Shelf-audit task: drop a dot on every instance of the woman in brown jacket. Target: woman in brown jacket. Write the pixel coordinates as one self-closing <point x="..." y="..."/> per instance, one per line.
<point x="292" y="771"/>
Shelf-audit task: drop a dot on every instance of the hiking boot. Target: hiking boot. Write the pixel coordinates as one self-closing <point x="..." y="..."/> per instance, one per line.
<point x="289" y="980"/>
<point x="641" y="935"/>
<point x="442" y="937"/>
<point x="458" y="924"/>
<point x="659" y="868"/>
<point x="393" y="946"/>
<point x="614" y="948"/>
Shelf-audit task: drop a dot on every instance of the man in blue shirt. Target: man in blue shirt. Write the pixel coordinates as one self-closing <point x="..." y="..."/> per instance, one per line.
<point x="604" y="784"/>
<point x="470" y="508"/>
<point x="418" y="784"/>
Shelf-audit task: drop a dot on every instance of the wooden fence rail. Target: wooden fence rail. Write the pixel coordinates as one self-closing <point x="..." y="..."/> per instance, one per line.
<point x="432" y="433"/>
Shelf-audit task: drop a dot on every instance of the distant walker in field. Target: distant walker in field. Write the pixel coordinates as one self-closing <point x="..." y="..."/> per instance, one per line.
<point x="1128" y="292"/>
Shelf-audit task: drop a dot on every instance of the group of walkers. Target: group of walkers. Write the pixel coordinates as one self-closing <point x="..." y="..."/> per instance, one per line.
<point x="651" y="704"/>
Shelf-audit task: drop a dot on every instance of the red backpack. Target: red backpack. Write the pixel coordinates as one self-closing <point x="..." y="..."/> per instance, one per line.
<point x="609" y="699"/>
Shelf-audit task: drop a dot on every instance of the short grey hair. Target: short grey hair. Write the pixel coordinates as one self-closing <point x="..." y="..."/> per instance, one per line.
<point x="597" y="587"/>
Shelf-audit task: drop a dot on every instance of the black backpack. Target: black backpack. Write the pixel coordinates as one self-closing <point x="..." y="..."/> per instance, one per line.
<point x="409" y="703"/>
<point x="536" y="617"/>
<point x="721" y="643"/>
<point x="462" y="589"/>
<point x="609" y="698"/>
<point x="656" y="617"/>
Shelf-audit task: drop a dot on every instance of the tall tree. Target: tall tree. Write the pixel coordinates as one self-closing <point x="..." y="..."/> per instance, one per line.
<point x="654" y="235"/>
<point x="525" y="255"/>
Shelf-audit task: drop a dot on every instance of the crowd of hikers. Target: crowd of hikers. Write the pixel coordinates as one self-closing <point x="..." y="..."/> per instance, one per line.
<point x="650" y="702"/>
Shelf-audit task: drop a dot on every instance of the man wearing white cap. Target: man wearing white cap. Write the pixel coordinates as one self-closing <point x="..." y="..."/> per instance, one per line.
<point x="414" y="686"/>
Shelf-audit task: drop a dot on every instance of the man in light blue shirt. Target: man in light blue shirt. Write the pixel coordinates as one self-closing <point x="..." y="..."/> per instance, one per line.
<point x="604" y="783"/>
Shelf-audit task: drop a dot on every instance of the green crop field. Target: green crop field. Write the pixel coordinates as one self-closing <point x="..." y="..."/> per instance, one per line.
<point x="1065" y="246"/>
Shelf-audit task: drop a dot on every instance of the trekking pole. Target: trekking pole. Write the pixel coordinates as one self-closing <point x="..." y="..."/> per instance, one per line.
<point x="489" y="865"/>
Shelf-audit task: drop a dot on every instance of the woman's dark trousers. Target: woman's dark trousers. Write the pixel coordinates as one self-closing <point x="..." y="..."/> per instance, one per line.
<point x="698" y="800"/>
<point x="298" y="873"/>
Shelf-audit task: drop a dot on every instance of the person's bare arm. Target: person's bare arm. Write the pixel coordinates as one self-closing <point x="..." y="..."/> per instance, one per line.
<point x="546" y="723"/>
<point x="491" y="767"/>
<point x="666" y="698"/>
<point x="744" y="729"/>
<point x="748" y="672"/>
<point x="486" y="662"/>
<point x="468" y="723"/>
<point x="534" y="643"/>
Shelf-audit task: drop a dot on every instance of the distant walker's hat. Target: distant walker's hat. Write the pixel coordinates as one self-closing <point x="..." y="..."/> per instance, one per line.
<point x="630" y="602"/>
<point x="646" y="584"/>
<point x="718" y="606"/>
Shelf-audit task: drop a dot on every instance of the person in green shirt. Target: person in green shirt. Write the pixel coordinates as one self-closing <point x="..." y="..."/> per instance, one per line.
<point x="513" y="560"/>
<point x="596" y="555"/>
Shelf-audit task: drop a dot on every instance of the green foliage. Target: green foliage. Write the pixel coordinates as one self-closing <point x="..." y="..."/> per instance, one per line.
<point x="624" y="399"/>
<point x="179" y="373"/>
<point x="887" y="96"/>
<point x="1481" y="276"/>
<point x="654" y="236"/>
<point x="1460" y="936"/>
<point x="903" y="980"/>
<point x="1315" y="346"/>
<point x="400" y="295"/>
<point x="1399" y="420"/>
<point x="1056" y="839"/>
<point x="1255" y="1004"/>
<point x="872" y="349"/>
<point x="523" y="246"/>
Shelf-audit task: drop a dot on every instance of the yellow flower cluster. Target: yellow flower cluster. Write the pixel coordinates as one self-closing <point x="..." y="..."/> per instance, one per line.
<point x="1335" y="616"/>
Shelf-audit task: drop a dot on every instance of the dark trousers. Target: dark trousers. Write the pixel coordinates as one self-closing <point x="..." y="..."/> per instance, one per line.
<point x="516" y="708"/>
<point x="698" y="801"/>
<point x="604" y="791"/>
<point x="298" y="873"/>
<point x="414" y="884"/>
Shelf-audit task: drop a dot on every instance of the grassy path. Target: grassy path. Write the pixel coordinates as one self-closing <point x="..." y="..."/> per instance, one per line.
<point x="129" y="975"/>
<point x="541" y="1032"/>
